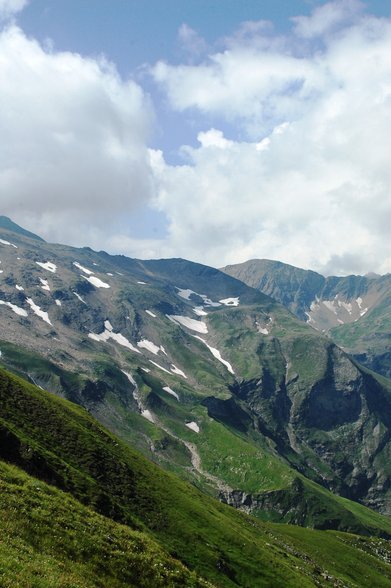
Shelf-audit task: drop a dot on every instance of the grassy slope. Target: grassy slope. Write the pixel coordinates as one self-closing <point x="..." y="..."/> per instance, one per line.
<point x="242" y="462"/>
<point x="47" y="538"/>
<point x="60" y="442"/>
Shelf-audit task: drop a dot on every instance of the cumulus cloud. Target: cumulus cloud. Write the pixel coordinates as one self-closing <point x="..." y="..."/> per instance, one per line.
<point x="311" y="184"/>
<point x="9" y="8"/>
<point x="73" y="154"/>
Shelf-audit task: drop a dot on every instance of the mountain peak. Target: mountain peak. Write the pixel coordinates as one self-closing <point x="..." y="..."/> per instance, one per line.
<point x="9" y="225"/>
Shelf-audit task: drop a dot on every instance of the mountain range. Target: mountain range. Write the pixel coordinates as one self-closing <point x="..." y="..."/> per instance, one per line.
<point x="218" y="383"/>
<point x="355" y="311"/>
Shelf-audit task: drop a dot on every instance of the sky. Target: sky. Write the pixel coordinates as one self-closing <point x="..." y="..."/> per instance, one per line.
<point x="214" y="130"/>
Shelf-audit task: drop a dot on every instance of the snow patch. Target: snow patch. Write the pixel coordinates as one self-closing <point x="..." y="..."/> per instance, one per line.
<point x="83" y="269"/>
<point x="44" y="284"/>
<point x="359" y="301"/>
<point x="96" y="282"/>
<point x="79" y="297"/>
<point x="199" y="311"/>
<point x="37" y="310"/>
<point x="8" y="243"/>
<point x="170" y="391"/>
<point x="145" y="344"/>
<point x="216" y="353"/>
<point x="48" y="265"/>
<point x="193" y="426"/>
<point x="160" y="367"/>
<point x="20" y="288"/>
<point x="58" y="302"/>
<point x="117" y="337"/>
<point x="147" y="415"/>
<point x="150" y="313"/>
<point x="230" y="301"/>
<point x="185" y="321"/>
<point x="186" y="293"/>
<point x="143" y="283"/>
<point x="177" y="371"/>
<point x="16" y="309"/>
<point x="263" y="331"/>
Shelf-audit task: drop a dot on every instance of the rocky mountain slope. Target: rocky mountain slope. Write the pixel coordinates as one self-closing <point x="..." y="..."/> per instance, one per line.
<point x="155" y="528"/>
<point x="354" y="310"/>
<point x="206" y="376"/>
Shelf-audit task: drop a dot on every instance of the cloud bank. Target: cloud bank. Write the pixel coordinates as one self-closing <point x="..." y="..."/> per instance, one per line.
<point x="310" y="182"/>
<point x="292" y="160"/>
<point x="73" y="155"/>
<point x="8" y="8"/>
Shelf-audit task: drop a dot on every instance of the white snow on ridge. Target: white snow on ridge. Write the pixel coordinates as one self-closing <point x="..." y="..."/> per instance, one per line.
<point x="160" y="367"/>
<point x="96" y="282"/>
<point x="216" y="353"/>
<point x="150" y="313"/>
<point x="8" y="243"/>
<point x="83" y="269"/>
<point x="130" y="377"/>
<point x="79" y="297"/>
<point x="230" y="301"/>
<point x="193" y="426"/>
<point x="198" y="310"/>
<point x="177" y="371"/>
<point x="44" y="284"/>
<point x="48" y="265"/>
<point x="14" y="308"/>
<point x="37" y="310"/>
<point x="193" y="324"/>
<point x="170" y="391"/>
<point x="117" y="337"/>
<point x="145" y="344"/>
<point x="147" y="415"/>
<point x="186" y="293"/>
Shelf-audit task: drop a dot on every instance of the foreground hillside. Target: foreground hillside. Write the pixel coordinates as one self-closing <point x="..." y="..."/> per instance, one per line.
<point x="43" y="530"/>
<point x="206" y="376"/>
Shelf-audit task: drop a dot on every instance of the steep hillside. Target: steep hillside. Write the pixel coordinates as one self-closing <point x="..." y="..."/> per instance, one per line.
<point x="206" y="376"/>
<point x="43" y="529"/>
<point x="50" y="539"/>
<point x="354" y="310"/>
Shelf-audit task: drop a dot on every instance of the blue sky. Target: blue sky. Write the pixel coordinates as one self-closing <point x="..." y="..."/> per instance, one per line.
<point x="216" y="130"/>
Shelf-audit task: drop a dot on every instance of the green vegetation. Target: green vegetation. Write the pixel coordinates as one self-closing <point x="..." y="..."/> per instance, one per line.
<point x="62" y="444"/>
<point x="47" y="539"/>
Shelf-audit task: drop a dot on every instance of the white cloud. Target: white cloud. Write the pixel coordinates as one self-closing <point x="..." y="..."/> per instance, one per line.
<point x="327" y="18"/>
<point x="73" y="140"/>
<point x="311" y="185"/>
<point x="10" y="7"/>
<point x="190" y="41"/>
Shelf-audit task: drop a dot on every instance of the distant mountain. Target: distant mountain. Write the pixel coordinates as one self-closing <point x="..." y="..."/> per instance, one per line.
<point x="155" y="528"/>
<point x="208" y="377"/>
<point x="7" y="224"/>
<point x="354" y="310"/>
